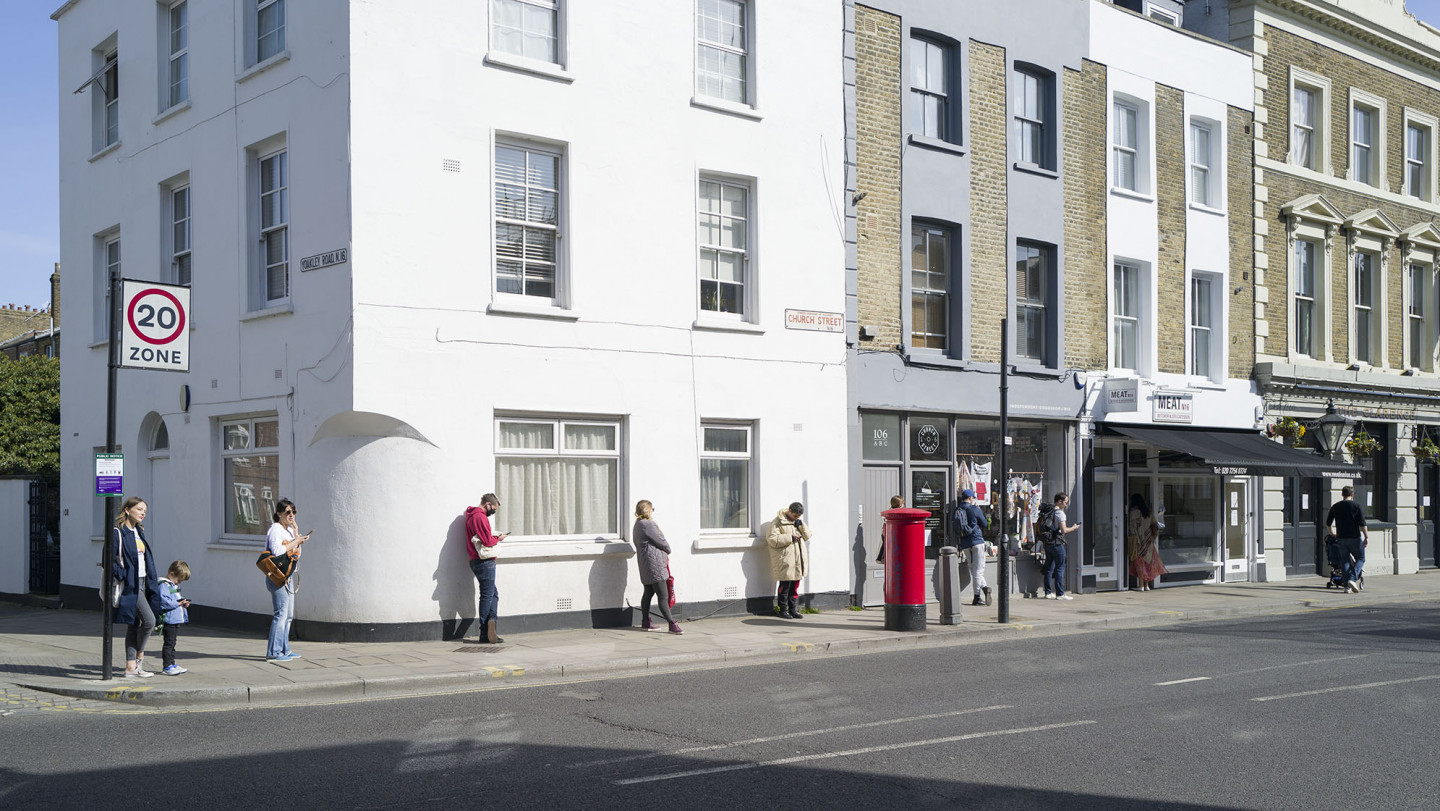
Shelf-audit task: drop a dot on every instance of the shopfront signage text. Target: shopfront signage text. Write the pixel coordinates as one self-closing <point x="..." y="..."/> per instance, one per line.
<point x="1173" y="406"/>
<point x="1122" y="395"/>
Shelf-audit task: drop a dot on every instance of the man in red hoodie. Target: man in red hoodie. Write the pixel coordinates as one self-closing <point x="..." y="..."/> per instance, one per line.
<point x="482" y="551"/>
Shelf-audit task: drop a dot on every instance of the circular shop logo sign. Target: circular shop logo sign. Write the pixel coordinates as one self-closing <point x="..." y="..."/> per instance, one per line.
<point x="929" y="439"/>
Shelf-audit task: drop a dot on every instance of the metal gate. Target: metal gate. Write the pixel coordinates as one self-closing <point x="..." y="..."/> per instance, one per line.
<point x="44" y="537"/>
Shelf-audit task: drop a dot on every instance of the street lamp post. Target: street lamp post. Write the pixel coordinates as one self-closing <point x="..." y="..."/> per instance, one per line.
<point x="1331" y="429"/>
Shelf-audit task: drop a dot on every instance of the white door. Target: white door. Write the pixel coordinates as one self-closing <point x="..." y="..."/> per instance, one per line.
<point x="1105" y="546"/>
<point x="1236" y="533"/>
<point x="877" y="486"/>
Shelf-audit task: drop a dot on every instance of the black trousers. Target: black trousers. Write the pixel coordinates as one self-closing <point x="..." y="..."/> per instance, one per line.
<point x="787" y="596"/>
<point x="169" y="633"/>
<point x="661" y="593"/>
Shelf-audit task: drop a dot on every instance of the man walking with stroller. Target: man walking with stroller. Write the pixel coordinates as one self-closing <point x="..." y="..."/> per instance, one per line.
<point x="1346" y="522"/>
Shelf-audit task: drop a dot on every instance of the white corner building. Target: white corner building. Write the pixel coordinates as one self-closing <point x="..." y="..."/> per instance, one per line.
<point x="574" y="253"/>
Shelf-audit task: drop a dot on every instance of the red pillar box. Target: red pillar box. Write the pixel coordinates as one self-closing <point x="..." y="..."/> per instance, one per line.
<point x="905" y="569"/>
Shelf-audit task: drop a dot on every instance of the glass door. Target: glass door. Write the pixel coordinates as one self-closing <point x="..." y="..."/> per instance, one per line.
<point x="930" y="491"/>
<point x="1105" y="537"/>
<point x="1427" y="500"/>
<point x="1235" y="512"/>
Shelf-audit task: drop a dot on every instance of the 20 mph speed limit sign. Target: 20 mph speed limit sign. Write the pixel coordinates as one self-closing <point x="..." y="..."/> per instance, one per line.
<point x="154" y="330"/>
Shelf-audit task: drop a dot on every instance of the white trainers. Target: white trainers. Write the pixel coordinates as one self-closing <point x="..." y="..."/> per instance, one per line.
<point x="1064" y="597"/>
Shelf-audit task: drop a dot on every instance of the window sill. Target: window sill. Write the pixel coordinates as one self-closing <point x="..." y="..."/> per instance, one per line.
<point x="1033" y="367"/>
<point x="237" y="543"/>
<point x="279" y="309"/>
<point x="1133" y="195"/>
<point x="934" y="358"/>
<point x="1204" y="209"/>
<point x="725" y="325"/>
<point x="532" y="310"/>
<point x="171" y="112"/>
<point x="260" y="67"/>
<point x="721" y="106"/>
<point x="101" y="344"/>
<point x="106" y="150"/>
<point x="556" y="550"/>
<point x="938" y="145"/>
<point x="715" y="542"/>
<point x="1034" y="169"/>
<point x="534" y="67"/>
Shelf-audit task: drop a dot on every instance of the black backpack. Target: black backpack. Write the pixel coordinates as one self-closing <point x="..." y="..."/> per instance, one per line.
<point x="961" y="525"/>
<point x="1047" y="527"/>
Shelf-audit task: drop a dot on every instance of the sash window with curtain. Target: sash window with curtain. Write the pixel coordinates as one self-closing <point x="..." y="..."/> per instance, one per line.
<point x="558" y="478"/>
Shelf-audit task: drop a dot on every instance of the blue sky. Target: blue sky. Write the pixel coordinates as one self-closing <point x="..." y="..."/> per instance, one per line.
<point x="29" y="192"/>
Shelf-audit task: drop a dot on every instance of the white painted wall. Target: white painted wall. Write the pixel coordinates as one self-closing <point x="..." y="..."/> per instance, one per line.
<point x="371" y="100"/>
<point x="234" y="360"/>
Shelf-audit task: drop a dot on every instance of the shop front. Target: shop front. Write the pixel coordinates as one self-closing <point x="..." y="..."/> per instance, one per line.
<point x="926" y="459"/>
<point x="1194" y="459"/>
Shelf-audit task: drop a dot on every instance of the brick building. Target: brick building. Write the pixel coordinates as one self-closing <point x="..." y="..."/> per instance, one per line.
<point x="1347" y="97"/>
<point x="26" y="330"/>
<point x="1089" y="179"/>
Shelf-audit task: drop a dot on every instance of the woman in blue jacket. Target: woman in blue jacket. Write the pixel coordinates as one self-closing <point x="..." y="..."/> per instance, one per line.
<point x="134" y="567"/>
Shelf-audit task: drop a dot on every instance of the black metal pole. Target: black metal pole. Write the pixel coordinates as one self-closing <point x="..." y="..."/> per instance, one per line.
<point x="1004" y="558"/>
<point x="107" y="632"/>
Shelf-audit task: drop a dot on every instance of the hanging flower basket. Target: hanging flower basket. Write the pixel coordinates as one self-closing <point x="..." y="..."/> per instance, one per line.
<point x="1362" y="444"/>
<point x="1427" y="449"/>
<point x="1289" y="428"/>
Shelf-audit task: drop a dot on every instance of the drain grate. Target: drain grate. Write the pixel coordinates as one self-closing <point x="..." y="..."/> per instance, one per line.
<point x="479" y="649"/>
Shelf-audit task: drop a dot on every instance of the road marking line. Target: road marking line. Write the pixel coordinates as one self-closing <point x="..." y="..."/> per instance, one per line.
<point x="845" y="753"/>
<point x="791" y="735"/>
<point x="1347" y="687"/>
<point x="1181" y="681"/>
<point x="1298" y="664"/>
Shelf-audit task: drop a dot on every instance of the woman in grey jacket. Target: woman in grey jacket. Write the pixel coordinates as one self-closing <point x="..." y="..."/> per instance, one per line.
<point x="652" y="555"/>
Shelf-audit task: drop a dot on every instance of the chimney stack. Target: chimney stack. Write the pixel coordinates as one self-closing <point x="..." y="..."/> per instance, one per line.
<point x="55" y="295"/>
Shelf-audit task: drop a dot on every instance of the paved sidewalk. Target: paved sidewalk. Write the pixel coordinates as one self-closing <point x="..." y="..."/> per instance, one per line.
<point x="58" y="652"/>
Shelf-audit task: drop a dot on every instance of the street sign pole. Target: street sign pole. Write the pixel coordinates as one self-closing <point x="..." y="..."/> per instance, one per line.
<point x="107" y="617"/>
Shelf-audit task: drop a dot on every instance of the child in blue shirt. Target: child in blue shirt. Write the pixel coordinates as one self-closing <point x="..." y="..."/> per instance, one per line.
<point x="173" y="607"/>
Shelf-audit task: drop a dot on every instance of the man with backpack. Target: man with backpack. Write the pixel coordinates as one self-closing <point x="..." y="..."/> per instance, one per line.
<point x="1051" y="529"/>
<point x="967" y="525"/>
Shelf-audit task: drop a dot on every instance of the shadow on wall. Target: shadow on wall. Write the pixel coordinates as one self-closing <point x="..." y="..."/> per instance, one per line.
<point x="609" y="577"/>
<point x="455" y="590"/>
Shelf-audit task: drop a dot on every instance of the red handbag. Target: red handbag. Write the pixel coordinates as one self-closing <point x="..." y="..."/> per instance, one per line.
<point x="670" y="583"/>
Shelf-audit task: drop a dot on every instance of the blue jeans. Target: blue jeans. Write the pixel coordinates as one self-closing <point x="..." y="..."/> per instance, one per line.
<point x="283" y="602"/>
<point x="1353" y="547"/>
<point x="1055" y="569"/>
<point x="489" y="595"/>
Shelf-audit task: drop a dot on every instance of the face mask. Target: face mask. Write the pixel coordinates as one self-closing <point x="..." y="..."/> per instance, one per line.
<point x="489" y="511"/>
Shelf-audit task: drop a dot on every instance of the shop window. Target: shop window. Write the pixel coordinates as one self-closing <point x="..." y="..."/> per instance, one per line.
<point x="929" y="439"/>
<point x="1189" y="504"/>
<point x="1372" y="487"/>
<point x="882" y="437"/>
<point x="562" y="477"/>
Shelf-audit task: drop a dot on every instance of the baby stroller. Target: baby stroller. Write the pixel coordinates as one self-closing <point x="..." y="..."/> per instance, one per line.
<point x="1339" y="560"/>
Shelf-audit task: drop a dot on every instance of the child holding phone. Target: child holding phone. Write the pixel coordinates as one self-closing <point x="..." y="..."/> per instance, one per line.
<point x="174" y="608"/>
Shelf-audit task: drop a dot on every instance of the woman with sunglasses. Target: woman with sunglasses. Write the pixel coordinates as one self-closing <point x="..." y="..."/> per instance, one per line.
<point x="282" y="539"/>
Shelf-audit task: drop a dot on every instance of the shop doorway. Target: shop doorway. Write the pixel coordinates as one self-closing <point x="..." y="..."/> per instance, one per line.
<point x="877" y="486"/>
<point x="1428" y="498"/>
<point x="1301" y="524"/>
<point x="1105" y="537"/>
<point x="1237" y="519"/>
<point x="930" y="490"/>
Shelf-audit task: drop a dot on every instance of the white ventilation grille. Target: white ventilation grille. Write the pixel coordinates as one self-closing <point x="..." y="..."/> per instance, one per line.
<point x="449" y="165"/>
<point x="278" y="375"/>
<point x="214" y="384"/>
<point x="563" y="604"/>
<point x="732" y="591"/>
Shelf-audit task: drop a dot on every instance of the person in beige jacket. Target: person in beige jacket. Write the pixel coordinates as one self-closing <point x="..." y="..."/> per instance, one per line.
<point x="788" y="558"/>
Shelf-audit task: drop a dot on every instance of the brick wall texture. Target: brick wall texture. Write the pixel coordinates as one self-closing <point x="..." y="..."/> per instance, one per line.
<point x="1086" y="192"/>
<point x="989" y="218"/>
<point x="1239" y="186"/>
<point x="1171" y="207"/>
<point x="880" y="248"/>
<point x="1284" y="50"/>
